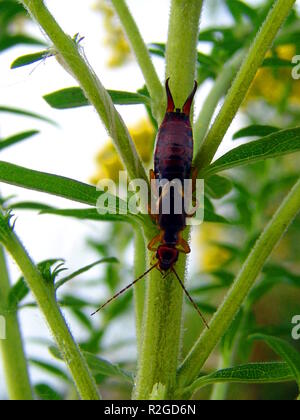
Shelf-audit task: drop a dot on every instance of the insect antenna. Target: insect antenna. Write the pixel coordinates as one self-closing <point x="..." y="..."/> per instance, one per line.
<point x="190" y="298"/>
<point x="125" y="288"/>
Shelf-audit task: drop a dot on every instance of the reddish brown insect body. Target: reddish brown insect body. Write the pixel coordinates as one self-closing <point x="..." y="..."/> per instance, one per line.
<point x="172" y="160"/>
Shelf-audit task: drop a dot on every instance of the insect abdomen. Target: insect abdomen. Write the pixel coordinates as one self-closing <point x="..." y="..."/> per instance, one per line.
<point x="174" y="148"/>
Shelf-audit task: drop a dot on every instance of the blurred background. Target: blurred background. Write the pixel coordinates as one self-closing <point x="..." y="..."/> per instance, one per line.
<point x="78" y="147"/>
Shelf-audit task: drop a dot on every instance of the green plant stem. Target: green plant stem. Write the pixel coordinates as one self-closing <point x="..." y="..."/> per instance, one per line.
<point x="221" y="321"/>
<point x="45" y="297"/>
<point x="68" y="54"/>
<point x="140" y="266"/>
<point x="242" y="82"/>
<point x="219" y="89"/>
<point x="162" y="332"/>
<point x="219" y="390"/>
<point x="181" y="49"/>
<point x="141" y="52"/>
<point x="160" y="349"/>
<point x="12" y="350"/>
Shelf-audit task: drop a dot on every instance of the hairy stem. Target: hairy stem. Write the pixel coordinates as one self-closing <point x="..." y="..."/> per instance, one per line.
<point x="70" y="57"/>
<point x="181" y="49"/>
<point x="12" y="350"/>
<point x="219" y="89"/>
<point x="242" y="82"/>
<point x="163" y="313"/>
<point x="162" y="332"/>
<point x="141" y="52"/>
<point x="45" y="297"/>
<point x="253" y="265"/>
<point x="140" y="266"/>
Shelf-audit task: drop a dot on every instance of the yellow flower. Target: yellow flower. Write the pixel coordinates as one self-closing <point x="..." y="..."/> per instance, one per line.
<point x="115" y="39"/>
<point x="273" y="84"/>
<point x="108" y="162"/>
<point x="211" y="256"/>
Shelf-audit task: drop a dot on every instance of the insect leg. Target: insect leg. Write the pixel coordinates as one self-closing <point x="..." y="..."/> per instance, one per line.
<point x="155" y="242"/>
<point x="183" y="244"/>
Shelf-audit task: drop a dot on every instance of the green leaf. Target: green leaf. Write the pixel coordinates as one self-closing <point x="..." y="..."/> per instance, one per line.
<point x="274" y="145"/>
<point x="92" y="214"/>
<point x="50" y="368"/>
<point x="47" y="393"/>
<point x="99" y="366"/>
<point x="218" y="186"/>
<point x="210" y="214"/>
<point x="8" y="41"/>
<point x="17" y="293"/>
<point x="158" y="49"/>
<point x="27" y="59"/>
<point x="51" y="184"/>
<point x="229" y="338"/>
<point x="74" y="97"/>
<point x="255" y="130"/>
<point x="284" y="350"/>
<point x="276" y="62"/>
<point x="25" y="113"/>
<point x="84" y="319"/>
<point x="17" y="138"/>
<point x="30" y="205"/>
<point x="206" y="307"/>
<point x="252" y="373"/>
<point x="84" y="270"/>
<point x="9" y="10"/>
<point x="238" y="9"/>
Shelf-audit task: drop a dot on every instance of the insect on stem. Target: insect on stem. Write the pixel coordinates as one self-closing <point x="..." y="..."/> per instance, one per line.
<point x="125" y="288"/>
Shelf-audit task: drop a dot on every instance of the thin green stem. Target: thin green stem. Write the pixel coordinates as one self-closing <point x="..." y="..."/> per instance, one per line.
<point x="140" y="266"/>
<point x="162" y="326"/>
<point x="45" y="297"/>
<point x="141" y="52"/>
<point x="12" y="349"/>
<point x="162" y="332"/>
<point x="68" y="54"/>
<point x="181" y="49"/>
<point x="253" y="265"/>
<point x="219" y="390"/>
<point x="219" y="89"/>
<point x="242" y="82"/>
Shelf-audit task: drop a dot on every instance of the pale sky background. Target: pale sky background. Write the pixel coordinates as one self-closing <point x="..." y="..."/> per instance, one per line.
<point x="70" y="149"/>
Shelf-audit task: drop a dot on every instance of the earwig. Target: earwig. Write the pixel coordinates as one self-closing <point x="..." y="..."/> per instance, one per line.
<point x="172" y="161"/>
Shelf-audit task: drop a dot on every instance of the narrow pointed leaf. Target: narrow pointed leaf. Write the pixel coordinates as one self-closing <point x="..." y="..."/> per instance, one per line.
<point x="46" y="392"/>
<point x="17" y="138"/>
<point x="50" y="368"/>
<point x="8" y="41"/>
<point x="25" y="113"/>
<point x="74" y="97"/>
<point x="252" y="373"/>
<point x="85" y="269"/>
<point x="27" y="59"/>
<point x="92" y="214"/>
<point x="218" y="186"/>
<point x="274" y="145"/>
<point x="99" y="366"/>
<point x="284" y="350"/>
<point x="255" y="131"/>
<point x="52" y="184"/>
